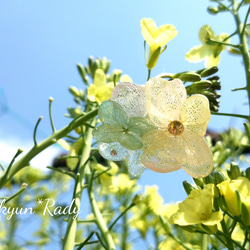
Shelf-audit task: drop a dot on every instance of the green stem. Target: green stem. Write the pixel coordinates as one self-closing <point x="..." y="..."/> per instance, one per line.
<point x="52" y="139"/>
<point x="105" y="232"/>
<point x="34" y="134"/>
<point x="229" y="114"/>
<point x="204" y="242"/>
<point x="69" y="239"/>
<point x="226" y="232"/>
<point x="149" y="73"/>
<point x="179" y="241"/>
<point x="223" y="43"/>
<point x="243" y="47"/>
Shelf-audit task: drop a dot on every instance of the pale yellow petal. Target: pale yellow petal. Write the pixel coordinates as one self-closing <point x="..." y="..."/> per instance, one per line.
<point x="215" y="218"/>
<point x="149" y="30"/>
<point x="195" y="114"/>
<point x="91" y="92"/>
<point x="164" y="99"/>
<point x="165" y="33"/>
<point x="197" y="53"/>
<point x="104" y="93"/>
<point x="211" y="60"/>
<point x="205" y="33"/>
<point x="197" y="159"/>
<point x="160" y="151"/>
<point x="99" y="78"/>
<point x="125" y="78"/>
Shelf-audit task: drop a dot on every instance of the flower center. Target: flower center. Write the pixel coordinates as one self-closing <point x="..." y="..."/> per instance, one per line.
<point x="175" y="128"/>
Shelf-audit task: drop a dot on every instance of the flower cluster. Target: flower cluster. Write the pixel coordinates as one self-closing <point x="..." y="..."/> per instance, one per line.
<point x="155" y="127"/>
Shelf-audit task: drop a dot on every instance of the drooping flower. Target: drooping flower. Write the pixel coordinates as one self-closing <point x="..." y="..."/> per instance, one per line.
<point x="182" y="122"/>
<point x="208" y="50"/>
<point x="197" y="208"/>
<point x="156" y="38"/>
<point x="100" y="91"/>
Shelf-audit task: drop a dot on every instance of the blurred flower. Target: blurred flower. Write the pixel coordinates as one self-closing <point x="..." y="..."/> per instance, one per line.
<point x="198" y="209"/>
<point x="210" y="51"/>
<point x="99" y="91"/>
<point x="156" y="38"/>
<point x="182" y="122"/>
<point x="124" y="184"/>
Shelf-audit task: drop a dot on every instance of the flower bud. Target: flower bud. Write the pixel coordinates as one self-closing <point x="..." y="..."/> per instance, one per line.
<point x="248" y="173"/>
<point x="105" y="64"/>
<point x="199" y="182"/>
<point x="230" y="198"/>
<point x="212" y="10"/>
<point x="245" y="212"/>
<point x="219" y="177"/>
<point x="209" y="71"/>
<point x="212" y="78"/>
<point x="188" y="187"/>
<point x="223" y="157"/>
<point x="190" y="77"/>
<point x="91" y="63"/>
<point x="234" y="171"/>
<point x="137" y="199"/>
<point x="200" y="85"/>
<point x="74" y="91"/>
<point x="209" y="179"/>
<point x="165" y="225"/>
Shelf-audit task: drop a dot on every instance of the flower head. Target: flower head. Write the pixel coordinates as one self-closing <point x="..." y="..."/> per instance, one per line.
<point x="182" y="123"/>
<point x="156" y="127"/>
<point x="156" y="38"/>
<point x="99" y="91"/>
<point x="210" y="51"/>
<point x="198" y="209"/>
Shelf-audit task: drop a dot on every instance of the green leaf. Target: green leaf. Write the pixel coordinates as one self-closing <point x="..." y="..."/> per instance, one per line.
<point x="112" y="113"/>
<point x="107" y="133"/>
<point x="140" y="126"/>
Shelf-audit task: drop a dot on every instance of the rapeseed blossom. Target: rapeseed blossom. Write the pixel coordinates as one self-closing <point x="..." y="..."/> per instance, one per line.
<point x="156" y="38"/>
<point x="210" y="51"/>
<point x="197" y="208"/>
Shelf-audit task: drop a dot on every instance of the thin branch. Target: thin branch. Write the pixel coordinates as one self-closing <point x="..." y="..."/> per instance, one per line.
<point x="229" y="114"/>
<point x="34" y="134"/>
<point x="245" y="22"/>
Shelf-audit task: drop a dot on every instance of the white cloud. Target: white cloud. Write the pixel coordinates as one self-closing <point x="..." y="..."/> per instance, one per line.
<point x="9" y="147"/>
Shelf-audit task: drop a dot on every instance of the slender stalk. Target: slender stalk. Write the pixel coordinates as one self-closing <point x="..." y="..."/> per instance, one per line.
<point x="52" y="139"/>
<point x="204" y="242"/>
<point x="69" y="239"/>
<point x="229" y="114"/>
<point x="34" y="134"/>
<point x="226" y="232"/>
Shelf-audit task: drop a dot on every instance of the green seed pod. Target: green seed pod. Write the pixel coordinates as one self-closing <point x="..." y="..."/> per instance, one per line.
<point x="209" y="71"/>
<point x="209" y="179"/>
<point x="190" y="77"/>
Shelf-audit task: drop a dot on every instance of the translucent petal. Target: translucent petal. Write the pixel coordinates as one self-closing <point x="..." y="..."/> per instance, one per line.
<point x="211" y="60"/>
<point x="131" y="97"/>
<point x="91" y="91"/>
<point x="195" y="114"/>
<point x="112" y="151"/>
<point x="164" y="100"/>
<point x="140" y="126"/>
<point x="112" y="113"/>
<point x="107" y="133"/>
<point x="130" y="141"/>
<point x="165" y="33"/>
<point x="197" y="53"/>
<point x="99" y="78"/>
<point x="135" y="167"/>
<point x="165" y="153"/>
<point x="148" y="29"/>
<point x="197" y="159"/>
<point x="160" y="151"/>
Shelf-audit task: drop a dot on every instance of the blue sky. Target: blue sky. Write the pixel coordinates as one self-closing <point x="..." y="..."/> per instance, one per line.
<point x="42" y="41"/>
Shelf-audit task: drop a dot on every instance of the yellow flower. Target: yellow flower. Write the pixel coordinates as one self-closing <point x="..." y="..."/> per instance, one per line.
<point x="198" y="209"/>
<point x="235" y="192"/>
<point x="156" y="38"/>
<point x="182" y="122"/>
<point x="208" y="50"/>
<point x="124" y="184"/>
<point x="99" y="91"/>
